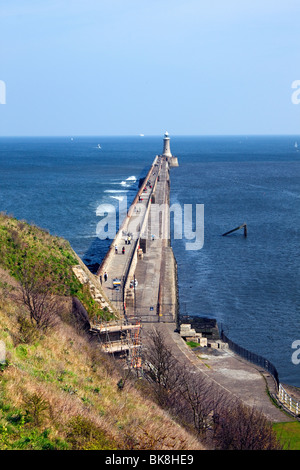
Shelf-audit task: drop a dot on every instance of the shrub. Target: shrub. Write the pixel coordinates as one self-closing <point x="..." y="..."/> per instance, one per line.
<point x="243" y="428"/>
<point x="36" y="407"/>
<point x="82" y="434"/>
<point x="27" y="332"/>
<point x="39" y="440"/>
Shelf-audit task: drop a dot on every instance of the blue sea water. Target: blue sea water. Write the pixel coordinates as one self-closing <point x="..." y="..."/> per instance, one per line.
<point x="250" y="285"/>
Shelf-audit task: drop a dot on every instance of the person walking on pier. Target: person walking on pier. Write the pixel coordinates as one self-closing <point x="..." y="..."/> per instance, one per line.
<point x="123" y="250"/>
<point x="116" y="249"/>
<point x="105" y="277"/>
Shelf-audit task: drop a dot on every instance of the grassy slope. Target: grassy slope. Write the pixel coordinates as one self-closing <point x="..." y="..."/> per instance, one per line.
<point x="73" y="380"/>
<point x="58" y="391"/>
<point x="21" y="242"/>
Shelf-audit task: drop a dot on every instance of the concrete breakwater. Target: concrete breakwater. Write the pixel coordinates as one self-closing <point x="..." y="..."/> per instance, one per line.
<point x="141" y="274"/>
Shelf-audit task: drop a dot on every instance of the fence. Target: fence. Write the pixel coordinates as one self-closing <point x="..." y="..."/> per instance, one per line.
<point x="152" y="314"/>
<point x="290" y="403"/>
<point x="252" y="357"/>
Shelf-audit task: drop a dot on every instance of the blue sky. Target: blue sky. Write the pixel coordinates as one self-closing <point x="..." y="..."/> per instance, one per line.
<point x="115" y="67"/>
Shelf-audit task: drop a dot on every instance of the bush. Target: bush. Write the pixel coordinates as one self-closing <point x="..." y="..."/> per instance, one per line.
<point x="36" y="407"/>
<point x="39" y="440"/>
<point x="27" y="332"/>
<point x="243" y="428"/>
<point x="82" y="434"/>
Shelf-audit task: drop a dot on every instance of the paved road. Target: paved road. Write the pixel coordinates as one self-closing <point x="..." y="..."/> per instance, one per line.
<point x="238" y="378"/>
<point x="152" y="267"/>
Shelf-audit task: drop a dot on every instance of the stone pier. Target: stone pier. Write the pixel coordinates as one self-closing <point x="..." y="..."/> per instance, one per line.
<point x="141" y="281"/>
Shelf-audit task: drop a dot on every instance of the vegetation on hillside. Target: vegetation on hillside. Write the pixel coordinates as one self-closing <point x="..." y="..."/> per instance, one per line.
<point x="57" y="389"/>
<point x="42" y="263"/>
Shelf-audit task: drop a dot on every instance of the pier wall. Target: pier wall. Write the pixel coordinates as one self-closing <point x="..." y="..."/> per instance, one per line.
<point x="149" y="258"/>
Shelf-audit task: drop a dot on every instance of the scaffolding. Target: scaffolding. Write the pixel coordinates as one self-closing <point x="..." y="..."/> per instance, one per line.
<point x="135" y="356"/>
<point x="121" y="340"/>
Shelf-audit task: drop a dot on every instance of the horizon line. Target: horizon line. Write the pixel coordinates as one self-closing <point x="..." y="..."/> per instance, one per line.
<point x="69" y="136"/>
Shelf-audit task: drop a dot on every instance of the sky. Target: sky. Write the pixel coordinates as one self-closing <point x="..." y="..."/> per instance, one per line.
<point x="116" y="67"/>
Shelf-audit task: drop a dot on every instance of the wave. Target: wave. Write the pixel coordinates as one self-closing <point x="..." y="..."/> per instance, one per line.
<point x="116" y="191"/>
<point x="119" y="198"/>
<point x="129" y="181"/>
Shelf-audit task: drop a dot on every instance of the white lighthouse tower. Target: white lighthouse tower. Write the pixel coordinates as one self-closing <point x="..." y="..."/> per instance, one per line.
<point x="171" y="160"/>
<point x="167" y="150"/>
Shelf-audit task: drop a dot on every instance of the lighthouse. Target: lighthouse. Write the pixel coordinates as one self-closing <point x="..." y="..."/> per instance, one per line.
<point x="171" y="160"/>
<point x="167" y="150"/>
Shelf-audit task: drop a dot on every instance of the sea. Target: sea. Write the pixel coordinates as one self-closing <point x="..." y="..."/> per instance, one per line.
<point x="250" y="285"/>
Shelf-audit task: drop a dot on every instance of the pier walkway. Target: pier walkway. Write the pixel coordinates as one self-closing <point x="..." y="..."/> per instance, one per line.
<point x="134" y="278"/>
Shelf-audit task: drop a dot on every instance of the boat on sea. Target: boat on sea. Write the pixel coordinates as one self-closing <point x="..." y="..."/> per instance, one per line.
<point x="99" y="146"/>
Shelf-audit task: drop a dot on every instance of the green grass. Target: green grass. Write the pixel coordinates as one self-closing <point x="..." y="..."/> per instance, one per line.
<point x="288" y="434"/>
<point x="192" y="344"/>
<point x="48" y="257"/>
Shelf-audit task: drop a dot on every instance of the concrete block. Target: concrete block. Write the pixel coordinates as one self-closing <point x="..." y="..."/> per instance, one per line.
<point x="217" y="344"/>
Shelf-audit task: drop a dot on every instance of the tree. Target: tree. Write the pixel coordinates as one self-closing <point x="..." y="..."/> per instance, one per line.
<point x="239" y="427"/>
<point x="198" y="400"/>
<point x="161" y="369"/>
<point x="37" y="294"/>
<point x="37" y="407"/>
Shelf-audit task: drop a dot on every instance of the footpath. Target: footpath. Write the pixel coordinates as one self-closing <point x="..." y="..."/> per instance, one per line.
<point x="235" y="376"/>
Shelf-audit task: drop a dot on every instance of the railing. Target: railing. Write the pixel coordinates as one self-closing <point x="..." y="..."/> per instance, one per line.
<point x="292" y="405"/>
<point x="154" y="318"/>
<point x="130" y="267"/>
<point x="252" y="357"/>
<point x="289" y="403"/>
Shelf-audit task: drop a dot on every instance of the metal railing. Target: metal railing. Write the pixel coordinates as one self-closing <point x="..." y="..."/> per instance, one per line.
<point x="252" y="357"/>
<point x="292" y="405"/>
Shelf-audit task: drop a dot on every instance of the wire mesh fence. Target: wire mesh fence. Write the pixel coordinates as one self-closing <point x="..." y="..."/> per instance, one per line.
<point x="251" y="357"/>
